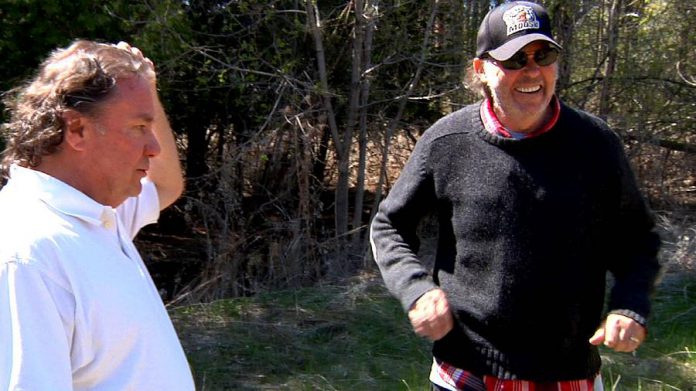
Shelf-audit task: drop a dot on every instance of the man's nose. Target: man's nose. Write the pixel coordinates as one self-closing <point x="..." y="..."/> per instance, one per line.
<point x="152" y="148"/>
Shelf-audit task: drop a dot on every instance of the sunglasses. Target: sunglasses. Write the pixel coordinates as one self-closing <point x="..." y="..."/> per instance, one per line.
<point x="543" y="57"/>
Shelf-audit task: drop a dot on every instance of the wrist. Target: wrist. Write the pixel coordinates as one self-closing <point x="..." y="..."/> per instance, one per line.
<point x="640" y="319"/>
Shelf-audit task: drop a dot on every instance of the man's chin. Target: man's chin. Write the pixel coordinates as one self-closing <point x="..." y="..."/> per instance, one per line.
<point x="135" y="190"/>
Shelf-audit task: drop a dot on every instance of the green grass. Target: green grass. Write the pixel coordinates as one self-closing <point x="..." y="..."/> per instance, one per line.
<point x="667" y="360"/>
<point x="357" y="337"/>
<point x="325" y="338"/>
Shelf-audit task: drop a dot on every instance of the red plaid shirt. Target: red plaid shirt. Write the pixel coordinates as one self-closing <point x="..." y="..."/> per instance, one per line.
<point x="493" y="125"/>
<point x="466" y="381"/>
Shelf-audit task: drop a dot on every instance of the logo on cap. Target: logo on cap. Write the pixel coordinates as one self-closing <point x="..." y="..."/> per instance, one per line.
<point x="520" y="18"/>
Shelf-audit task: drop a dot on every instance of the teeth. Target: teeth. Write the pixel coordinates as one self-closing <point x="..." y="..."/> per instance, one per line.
<point x="529" y="89"/>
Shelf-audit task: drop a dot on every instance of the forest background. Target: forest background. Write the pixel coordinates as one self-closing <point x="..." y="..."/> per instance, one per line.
<point x="294" y="117"/>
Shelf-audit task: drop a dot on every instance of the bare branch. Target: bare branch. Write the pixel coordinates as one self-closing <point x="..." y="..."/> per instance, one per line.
<point x="690" y="80"/>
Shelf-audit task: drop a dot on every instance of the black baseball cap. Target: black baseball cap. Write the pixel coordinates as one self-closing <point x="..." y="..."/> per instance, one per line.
<point x="509" y="27"/>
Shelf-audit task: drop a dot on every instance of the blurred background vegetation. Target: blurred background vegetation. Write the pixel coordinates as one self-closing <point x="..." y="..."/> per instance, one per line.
<point x="294" y="117"/>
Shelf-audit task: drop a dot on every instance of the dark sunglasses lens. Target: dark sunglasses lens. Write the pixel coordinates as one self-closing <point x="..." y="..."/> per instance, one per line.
<point x="517" y="61"/>
<point x="546" y="56"/>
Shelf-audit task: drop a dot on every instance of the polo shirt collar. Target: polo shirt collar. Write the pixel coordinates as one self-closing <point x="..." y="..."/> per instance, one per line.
<point x="58" y="194"/>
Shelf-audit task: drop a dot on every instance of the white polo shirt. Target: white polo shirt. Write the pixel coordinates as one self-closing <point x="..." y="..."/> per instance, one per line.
<point x="78" y="309"/>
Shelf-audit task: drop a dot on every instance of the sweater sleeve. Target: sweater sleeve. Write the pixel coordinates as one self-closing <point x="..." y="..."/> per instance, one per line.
<point x="634" y="263"/>
<point x="393" y="230"/>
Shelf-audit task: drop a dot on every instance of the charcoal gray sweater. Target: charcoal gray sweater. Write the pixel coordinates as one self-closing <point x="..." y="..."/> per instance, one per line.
<point x="527" y="231"/>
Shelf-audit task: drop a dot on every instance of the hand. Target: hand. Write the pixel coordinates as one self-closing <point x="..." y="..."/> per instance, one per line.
<point x="431" y="316"/>
<point x="150" y="71"/>
<point x="619" y="333"/>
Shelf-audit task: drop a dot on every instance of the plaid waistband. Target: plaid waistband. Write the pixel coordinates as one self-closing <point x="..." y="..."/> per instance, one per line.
<point x="462" y="380"/>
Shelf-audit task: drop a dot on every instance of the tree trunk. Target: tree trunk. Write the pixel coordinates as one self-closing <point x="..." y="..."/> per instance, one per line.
<point x="613" y="28"/>
<point x="402" y="105"/>
<point x="355" y="87"/>
<point x="342" y="154"/>
<point x="365" y="20"/>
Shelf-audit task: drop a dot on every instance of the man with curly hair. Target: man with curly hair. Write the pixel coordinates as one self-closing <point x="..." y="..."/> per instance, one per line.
<point x="535" y="203"/>
<point x="90" y="159"/>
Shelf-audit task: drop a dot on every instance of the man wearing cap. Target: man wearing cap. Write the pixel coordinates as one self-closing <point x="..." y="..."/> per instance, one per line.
<point x="535" y="202"/>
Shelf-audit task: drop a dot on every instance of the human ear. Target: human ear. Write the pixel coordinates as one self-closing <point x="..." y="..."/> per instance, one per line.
<point x="478" y="68"/>
<point x="74" y="129"/>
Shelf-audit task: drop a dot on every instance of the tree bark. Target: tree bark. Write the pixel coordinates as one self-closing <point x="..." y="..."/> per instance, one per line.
<point x="342" y="153"/>
<point x="613" y="28"/>
<point x="366" y="21"/>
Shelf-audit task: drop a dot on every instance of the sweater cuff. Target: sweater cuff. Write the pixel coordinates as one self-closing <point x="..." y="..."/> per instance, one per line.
<point x="633" y="315"/>
<point x="415" y="292"/>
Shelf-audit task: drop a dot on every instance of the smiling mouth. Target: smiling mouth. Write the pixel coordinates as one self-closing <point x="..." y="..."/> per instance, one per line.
<point x="528" y="90"/>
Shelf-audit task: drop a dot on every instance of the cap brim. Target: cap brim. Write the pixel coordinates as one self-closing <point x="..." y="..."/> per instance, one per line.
<point x="506" y="51"/>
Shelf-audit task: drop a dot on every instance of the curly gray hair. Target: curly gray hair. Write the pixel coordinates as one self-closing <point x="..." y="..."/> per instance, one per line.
<point x="77" y="77"/>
